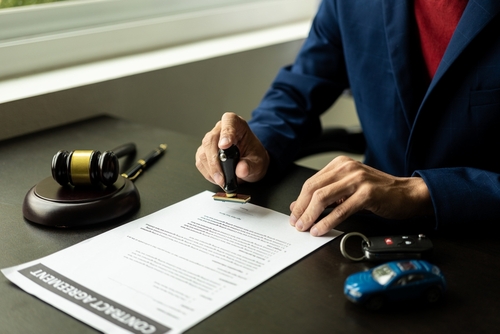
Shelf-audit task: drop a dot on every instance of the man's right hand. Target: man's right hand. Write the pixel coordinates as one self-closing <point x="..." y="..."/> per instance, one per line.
<point x="232" y="130"/>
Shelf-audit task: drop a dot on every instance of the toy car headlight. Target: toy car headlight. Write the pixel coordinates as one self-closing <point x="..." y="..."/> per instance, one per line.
<point x="435" y="270"/>
<point x="354" y="292"/>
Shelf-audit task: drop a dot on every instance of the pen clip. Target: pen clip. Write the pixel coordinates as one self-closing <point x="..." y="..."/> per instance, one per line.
<point x="134" y="176"/>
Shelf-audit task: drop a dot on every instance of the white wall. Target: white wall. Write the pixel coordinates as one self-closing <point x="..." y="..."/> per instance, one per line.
<point x="188" y="98"/>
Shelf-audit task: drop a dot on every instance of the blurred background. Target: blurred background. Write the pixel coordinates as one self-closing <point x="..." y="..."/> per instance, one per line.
<point x="16" y="3"/>
<point x="177" y="64"/>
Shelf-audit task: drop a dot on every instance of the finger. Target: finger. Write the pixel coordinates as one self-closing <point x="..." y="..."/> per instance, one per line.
<point x="254" y="159"/>
<point x="319" y="201"/>
<point x="337" y="169"/>
<point x="245" y="171"/>
<point x="204" y="168"/>
<point x="292" y="205"/>
<point x="209" y="156"/>
<point x="252" y="168"/>
<point x="242" y="169"/>
<point x="332" y="194"/>
<point x="293" y="219"/>
<point x="340" y="213"/>
<point x="232" y="129"/>
<point x="303" y="202"/>
<point x="202" y="165"/>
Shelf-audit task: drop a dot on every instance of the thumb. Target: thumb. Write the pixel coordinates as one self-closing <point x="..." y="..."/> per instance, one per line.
<point x="233" y="128"/>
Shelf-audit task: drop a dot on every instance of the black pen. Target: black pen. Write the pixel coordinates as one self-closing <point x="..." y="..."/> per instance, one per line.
<point x="142" y="164"/>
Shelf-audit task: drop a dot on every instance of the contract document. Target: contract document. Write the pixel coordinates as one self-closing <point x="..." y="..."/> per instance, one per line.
<point x="167" y="271"/>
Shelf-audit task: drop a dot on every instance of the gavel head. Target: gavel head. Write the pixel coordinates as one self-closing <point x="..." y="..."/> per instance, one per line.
<point x="85" y="167"/>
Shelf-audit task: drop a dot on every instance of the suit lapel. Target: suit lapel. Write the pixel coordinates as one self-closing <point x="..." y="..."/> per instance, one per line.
<point x="405" y="56"/>
<point x="476" y="16"/>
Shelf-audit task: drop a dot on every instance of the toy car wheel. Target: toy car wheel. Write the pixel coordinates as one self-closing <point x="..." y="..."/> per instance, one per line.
<point x="375" y="303"/>
<point x="433" y="295"/>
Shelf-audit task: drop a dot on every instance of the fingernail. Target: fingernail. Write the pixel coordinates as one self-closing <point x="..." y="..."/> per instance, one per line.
<point x="314" y="231"/>
<point x="218" y="178"/>
<point x="293" y="220"/>
<point x="299" y="225"/>
<point x="224" y="141"/>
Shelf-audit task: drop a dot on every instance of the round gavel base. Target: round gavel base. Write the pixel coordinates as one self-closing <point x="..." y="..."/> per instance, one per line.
<point x="50" y="204"/>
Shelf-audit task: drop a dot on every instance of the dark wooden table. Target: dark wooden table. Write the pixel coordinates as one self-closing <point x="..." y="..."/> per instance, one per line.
<point x="305" y="298"/>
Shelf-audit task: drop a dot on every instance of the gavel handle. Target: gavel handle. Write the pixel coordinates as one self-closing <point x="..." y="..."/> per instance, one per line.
<point x="125" y="149"/>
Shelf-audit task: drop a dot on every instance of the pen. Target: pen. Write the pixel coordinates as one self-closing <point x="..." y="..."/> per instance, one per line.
<point x="142" y="164"/>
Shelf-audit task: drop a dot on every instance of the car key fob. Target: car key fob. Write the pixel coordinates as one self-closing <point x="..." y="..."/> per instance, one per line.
<point x="389" y="248"/>
<point x="229" y="159"/>
<point x="397" y="247"/>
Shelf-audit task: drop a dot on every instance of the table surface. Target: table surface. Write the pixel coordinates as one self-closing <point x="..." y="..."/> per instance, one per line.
<point x="307" y="297"/>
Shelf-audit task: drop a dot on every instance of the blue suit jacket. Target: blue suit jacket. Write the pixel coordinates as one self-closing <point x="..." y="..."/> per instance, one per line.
<point x="446" y="131"/>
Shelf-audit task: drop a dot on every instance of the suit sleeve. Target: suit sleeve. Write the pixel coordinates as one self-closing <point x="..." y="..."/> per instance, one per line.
<point x="289" y="113"/>
<point x="462" y="196"/>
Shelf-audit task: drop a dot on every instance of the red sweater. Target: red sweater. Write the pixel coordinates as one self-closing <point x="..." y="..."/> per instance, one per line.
<point x="436" y="21"/>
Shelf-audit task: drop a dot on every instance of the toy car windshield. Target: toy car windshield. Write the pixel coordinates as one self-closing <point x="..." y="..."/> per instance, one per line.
<point x="404" y="266"/>
<point x="383" y="274"/>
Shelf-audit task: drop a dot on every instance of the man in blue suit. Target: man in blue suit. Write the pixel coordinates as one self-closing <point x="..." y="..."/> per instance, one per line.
<point x="425" y="77"/>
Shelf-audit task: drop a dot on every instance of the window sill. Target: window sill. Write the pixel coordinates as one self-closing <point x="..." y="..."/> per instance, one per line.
<point x="80" y="75"/>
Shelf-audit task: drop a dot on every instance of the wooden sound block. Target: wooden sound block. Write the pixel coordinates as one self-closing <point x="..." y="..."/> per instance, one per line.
<point x="51" y="204"/>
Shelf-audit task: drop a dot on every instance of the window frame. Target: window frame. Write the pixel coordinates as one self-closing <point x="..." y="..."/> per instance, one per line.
<point x="83" y="31"/>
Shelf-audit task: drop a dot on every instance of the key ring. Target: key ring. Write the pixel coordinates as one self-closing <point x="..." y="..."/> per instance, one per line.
<point x="342" y="245"/>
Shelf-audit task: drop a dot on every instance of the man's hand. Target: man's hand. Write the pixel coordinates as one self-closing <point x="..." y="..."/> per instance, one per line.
<point x="232" y="130"/>
<point x="352" y="186"/>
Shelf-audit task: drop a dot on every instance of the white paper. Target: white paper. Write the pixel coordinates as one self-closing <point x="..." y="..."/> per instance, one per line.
<point x="169" y="270"/>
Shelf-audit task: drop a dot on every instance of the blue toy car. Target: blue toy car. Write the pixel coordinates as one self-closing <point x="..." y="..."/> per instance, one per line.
<point x="393" y="281"/>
